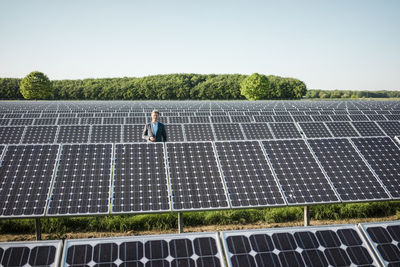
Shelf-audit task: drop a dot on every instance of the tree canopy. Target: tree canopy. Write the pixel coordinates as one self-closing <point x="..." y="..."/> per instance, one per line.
<point x="36" y="85"/>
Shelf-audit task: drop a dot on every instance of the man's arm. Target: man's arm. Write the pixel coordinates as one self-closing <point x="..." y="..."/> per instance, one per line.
<point x="145" y="134"/>
<point x="164" y="134"/>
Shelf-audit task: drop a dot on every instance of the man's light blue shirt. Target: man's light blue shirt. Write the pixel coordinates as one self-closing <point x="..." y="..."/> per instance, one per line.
<point x="155" y="128"/>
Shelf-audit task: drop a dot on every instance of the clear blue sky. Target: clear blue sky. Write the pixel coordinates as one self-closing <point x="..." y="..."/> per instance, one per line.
<point x="335" y="44"/>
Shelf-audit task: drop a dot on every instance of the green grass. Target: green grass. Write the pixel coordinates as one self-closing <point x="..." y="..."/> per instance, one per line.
<point x="167" y="221"/>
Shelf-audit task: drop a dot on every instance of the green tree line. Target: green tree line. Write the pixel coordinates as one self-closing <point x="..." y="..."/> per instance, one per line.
<point x="317" y="93"/>
<point x="162" y="87"/>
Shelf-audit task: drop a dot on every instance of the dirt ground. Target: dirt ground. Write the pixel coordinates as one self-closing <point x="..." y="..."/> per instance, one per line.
<point x="207" y="228"/>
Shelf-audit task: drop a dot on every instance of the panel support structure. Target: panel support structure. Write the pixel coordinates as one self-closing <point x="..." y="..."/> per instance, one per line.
<point x="38" y="227"/>
<point x="180" y="223"/>
<point x="306" y="216"/>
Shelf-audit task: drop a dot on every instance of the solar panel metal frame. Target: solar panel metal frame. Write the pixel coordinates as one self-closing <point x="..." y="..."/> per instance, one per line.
<point x="364" y="227"/>
<point x="143" y="238"/>
<point x="220" y="177"/>
<point x="54" y="180"/>
<point x="113" y="179"/>
<point x="291" y="230"/>
<point x="50" y="185"/>
<point x="58" y="244"/>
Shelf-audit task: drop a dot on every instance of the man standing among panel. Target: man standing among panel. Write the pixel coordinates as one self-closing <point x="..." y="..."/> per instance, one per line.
<point x="155" y="130"/>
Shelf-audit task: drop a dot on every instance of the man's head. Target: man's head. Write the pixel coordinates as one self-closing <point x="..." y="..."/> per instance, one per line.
<point x="154" y="115"/>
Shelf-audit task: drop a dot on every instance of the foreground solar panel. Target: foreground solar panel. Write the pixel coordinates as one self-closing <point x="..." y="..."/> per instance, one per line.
<point x="189" y="249"/>
<point x="11" y="134"/>
<point x="25" y="177"/>
<point x="349" y="174"/>
<point x="340" y="245"/>
<point x="133" y="133"/>
<point x="284" y="130"/>
<point x="73" y="134"/>
<point x="385" y="239"/>
<point x="367" y="128"/>
<point x="198" y="132"/>
<point x="39" y="135"/>
<point x="248" y="177"/>
<point x="314" y="129"/>
<point x="256" y="131"/>
<point x="140" y="180"/>
<point x="174" y="132"/>
<point x="341" y="129"/>
<point x="231" y="131"/>
<point x="301" y="179"/>
<point x="391" y="128"/>
<point x="39" y="253"/>
<point x="383" y="155"/>
<point x="105" y="134"/>
<point x="82" y="181"/>
<point x="194" y="177"/>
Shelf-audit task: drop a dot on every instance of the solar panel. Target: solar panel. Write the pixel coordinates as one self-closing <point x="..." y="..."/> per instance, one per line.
<point x="256" y="131"/>
<point x="341" y="129"/>
<point x="228" y="131"/>
<point x="82" y="181"/>
<point x="220" y="119"/>
<point x="349" y="174"/>
<point x="243" y="118"/>
<point x="140" y="180"/>
<point x="301" y="179"/>
<point x="284" y="130"/>
<point x="314" y="129"/>
<point x="73" y="134"/>
<point x="4" y="122"/>
<point x="367" y="128"/>
<point x="321" y="118"/>
<point x="25" y="176"/>
<point x="283" y="118"/>
<point x="132" y="133"/>
<point x="385" y="239"/>
<point x="21" y="122"/>
<point x="194" y="176"/>
<point x="174" y="132"/>
<point x="135" y="120"/>
<point x="383" y="156"/>
<point x="265" y="118"/>
<point x="39" y="135"/>
<point x="11" y="134"/>
<point x="358" y="117"/>
<point x="198" y="132"/>
<point x="391" y="128"/>
<point x="105" y="134"/>
<point x="341" y="245"/>
<point x="114" y="120"/>
<point x="45" y="121"/>
<point x="68" y="121"/>
<point x="248" y="177"/>
<point x="189" y="249"/>
<point x="376" y="117"/>
<point x="38" y="253"/>
<point x="393" y="117"/>
<point x="340" y="118"/>
<point x="91" y="121"/>
<point x="178" y="119"/>
<point x="302" y="118"/>
<point x="199" y="119"/>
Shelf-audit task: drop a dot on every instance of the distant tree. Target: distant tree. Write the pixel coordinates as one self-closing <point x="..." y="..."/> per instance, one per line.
<point x="36" y="85"/>
<point x="255" y="87"/>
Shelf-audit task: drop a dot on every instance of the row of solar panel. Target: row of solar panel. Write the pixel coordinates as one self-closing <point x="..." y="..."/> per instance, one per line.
<point x="195" y="132"/>
<point x="89" y="179"/>
<point x="193" y="119"/>
<point x="366" y="244"/>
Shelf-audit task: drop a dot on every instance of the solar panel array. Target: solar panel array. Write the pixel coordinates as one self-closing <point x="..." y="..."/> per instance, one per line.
<point x="88" y="158"/>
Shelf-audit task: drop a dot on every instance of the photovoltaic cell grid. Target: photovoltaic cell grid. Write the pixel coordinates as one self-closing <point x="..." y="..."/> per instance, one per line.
<point x="367" y="128"/>
<point x="194" y="177"/>
<point x="341" y="245"/>
<point x="314" y="129"/>
<point x="349" y="174"/>
<point x="11" y="134"/>
<point x="256" y="131"/>
<point x="385" y="239"/>
<point x="231" y="131"/>
<point x="383" y="155"/>
<point x="140" y="180"/>
<point x="248" y="177"/>
<point x="39" y="253"/>
<point x="174" y="132"/>
<point x="284" y="130"/>
<point x="301" y="179"/>
<point x="39" y="135"/>
<point x="189" y="249"/>
<point x="82" y="181"/>
<point x="73" y="134"/>
<point x="198" y="132"/>
<point x="133" y="133"/>
<point x="105" y="134"/>
<point x="25" y="178"/>
<point x="391" y="128"/>
<point x="341" y="129"/>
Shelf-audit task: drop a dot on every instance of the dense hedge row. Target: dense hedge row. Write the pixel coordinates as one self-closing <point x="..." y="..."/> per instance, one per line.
<point x="316" y="93"/>
<point x="168" y="221"/>
<point x="160" y="87"/>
